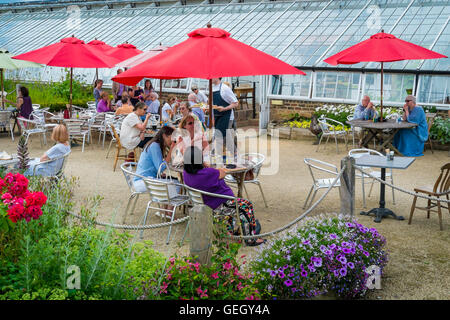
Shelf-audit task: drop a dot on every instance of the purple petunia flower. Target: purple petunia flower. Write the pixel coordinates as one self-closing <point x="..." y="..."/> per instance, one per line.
<point x="346" y="250"/>
<point x="288" y="283"/>
<point x="290" y="275"/>
<point x="351" y="265"/>
<point x="307" y="242"/>
<point x="273" y="273"/>
<point x="341" y="258"/>
<point x="281" y="275"/>
<point x="317" y="262"/>
<point x="285" y="267"/>
<point x="346" y="244"/>
<point x="333" y="236"/>
<point x="366" y="253"/>
<point x="304" y="273"/>
<point x="349" y="225"/>
<point x="332" y="246"/>
<point x="336" y="273"/>
<point x="323" y="249"/>
<point x="311" y="267"/>
<point x="343" y="272"/>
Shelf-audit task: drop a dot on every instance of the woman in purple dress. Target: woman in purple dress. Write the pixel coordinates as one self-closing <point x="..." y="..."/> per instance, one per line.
<point x="198" y="176"/>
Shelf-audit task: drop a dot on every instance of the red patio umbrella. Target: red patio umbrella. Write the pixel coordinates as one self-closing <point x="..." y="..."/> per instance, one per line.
<point x="102" y="46"/>
<point x="382" y="47"/>
<point x="208" y="53"/>
<point x="69" y="53"/>
<point x="124" y="51"/>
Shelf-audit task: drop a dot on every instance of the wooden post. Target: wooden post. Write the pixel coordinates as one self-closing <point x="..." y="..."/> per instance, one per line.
<point x="347" y="188"/>
<point x="200" y="230"/>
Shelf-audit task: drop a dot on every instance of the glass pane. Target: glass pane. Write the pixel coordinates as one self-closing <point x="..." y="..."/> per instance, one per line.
<point x="434" y="89"/>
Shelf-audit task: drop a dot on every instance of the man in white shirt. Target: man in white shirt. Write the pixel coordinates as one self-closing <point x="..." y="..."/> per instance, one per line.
<point x="226" y="101"/>
<point x="201" y="96"/>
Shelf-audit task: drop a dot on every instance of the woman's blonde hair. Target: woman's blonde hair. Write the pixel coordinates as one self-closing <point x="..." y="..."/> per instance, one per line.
<point x="171" y="97"/>
<point x="60" y="134"/>
<point x="184" y="120"/>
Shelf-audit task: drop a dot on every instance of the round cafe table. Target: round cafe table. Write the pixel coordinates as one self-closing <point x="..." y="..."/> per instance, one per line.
<point x="378" y="131"/>
<point x="238" y="173"/>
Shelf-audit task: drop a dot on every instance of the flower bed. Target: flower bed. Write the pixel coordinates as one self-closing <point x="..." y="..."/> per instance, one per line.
<point x="324" y="255"/>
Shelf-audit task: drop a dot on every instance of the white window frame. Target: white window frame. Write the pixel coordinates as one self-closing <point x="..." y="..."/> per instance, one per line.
<point x="286" y="97"/>
<point x="439" y="106"/>
<point x="336" y="100"/>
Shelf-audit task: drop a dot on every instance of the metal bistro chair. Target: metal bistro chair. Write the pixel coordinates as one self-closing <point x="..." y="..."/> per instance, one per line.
<point x="5" y="122"/>
<point x="40" y="115"/>
<point x="196" y="198"/>
<point x="129" y="171"/>
<point x="74" y="127"/>
<point x="257" y="159"/>
<point x="29" y="127"/>
<point x="352" y="128"/>
<point x="328" y="127"/>
<point x="159" y="194"/>
<point x="441" y="188"/>
<point x="96" y="123"/>
<point x="356" y="153"/>
<point x="59" y="172"/>
<point x="320" y="183"/>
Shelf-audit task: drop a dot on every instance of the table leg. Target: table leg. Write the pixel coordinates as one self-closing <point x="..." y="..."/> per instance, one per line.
<point x="382" y="212"/>
<point x="368" y="138"/>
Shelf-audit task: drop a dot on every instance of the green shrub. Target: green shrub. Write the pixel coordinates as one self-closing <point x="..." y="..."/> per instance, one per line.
<point x="440" y="130"/>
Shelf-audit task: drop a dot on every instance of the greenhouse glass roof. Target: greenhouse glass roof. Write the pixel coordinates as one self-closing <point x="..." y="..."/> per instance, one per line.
<point x="302" y="33"/>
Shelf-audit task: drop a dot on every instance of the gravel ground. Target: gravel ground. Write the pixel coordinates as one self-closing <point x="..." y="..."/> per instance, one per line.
<point x="419" y="253"/>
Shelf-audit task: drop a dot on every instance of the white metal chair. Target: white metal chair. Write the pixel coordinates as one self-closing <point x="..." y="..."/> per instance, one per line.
<point x="74" y="127"/>
<point x="196" y="197"/>
<point x="257" y="159"/>
<point x="59" y="170"/>
<point x="96" y="123"/>
<point x="356" y="153"/>
<point x="328" y="127"/>
<point x="40" y="115"/>
<point x="320" y="183"/>
<point x="29" y="127"/>
<point x="5" y="122"/>
<point x="117" y="123"/>
<point x="352" y="128"/>
<point x="36" y="106"/>
<point x="129" y="171"/>
<point x="159" y="194"/>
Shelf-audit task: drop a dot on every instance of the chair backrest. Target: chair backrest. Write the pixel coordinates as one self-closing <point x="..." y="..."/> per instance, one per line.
<point x="63" y="165"/>
<point x="319" y="166"/>
<point x="116" y="136"/>
<point x="27" y="124"/>
<point x="356" y="153"/>
<point x="159" y="191"/>
<point x="73" y="126"/>
<point x="36" y="106"/>
<point x="442" y="183"/>
<point x="5" y="117"/>
<point x="129" y="171"/>
<point x="350" y="117"/>
<point x="430" y="120"/>
<point x="257" y="160"/>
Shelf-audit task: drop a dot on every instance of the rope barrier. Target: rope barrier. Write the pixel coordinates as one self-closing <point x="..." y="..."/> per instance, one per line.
<point x="131" y="227"/>
<point x="398" y="188"/>
<point x="267" y="234"/>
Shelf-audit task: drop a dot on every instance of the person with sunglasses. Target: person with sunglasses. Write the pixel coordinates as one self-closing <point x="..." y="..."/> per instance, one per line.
<point x="133" y="129"/>
<point x="410" y="142"/>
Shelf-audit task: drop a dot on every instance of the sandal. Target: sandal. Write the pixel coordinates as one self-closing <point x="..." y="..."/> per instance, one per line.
<point x="254" y="243"/>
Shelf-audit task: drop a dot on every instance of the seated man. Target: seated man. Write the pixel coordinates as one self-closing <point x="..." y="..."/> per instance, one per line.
<point x="195" y="107"/>
<point x="411" y="142"/>
<point x="152" y="103"/>
<point x="365" y="110"/>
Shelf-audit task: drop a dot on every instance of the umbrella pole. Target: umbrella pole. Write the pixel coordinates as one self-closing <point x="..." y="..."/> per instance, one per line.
<point x="210" y="103"/>
<point x="160" y="99"/>
<point x="381" y="98"/>
<point x="96" y="73"/>
<point x="70" y="96"/>
<point x="3" y="89"/>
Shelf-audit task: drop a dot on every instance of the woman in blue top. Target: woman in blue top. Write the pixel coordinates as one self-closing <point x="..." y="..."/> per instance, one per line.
<point x="152" y="157"/>
<point x="62" y="147"/>
<point x="410" y="142"/>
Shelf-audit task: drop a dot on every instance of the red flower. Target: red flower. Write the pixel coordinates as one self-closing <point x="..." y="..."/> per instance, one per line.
<point x="33" y="212"/>
<point x="16" y="212"/>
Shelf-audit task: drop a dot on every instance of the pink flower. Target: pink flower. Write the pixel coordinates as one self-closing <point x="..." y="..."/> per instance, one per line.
<point x="215" y="275"/>
<point x="239" y="286"/>
<point x="164" y="287"/>
<point x="227" y="266"/>
<point x="202" y="293"/>
<point x="7" y="198"/>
